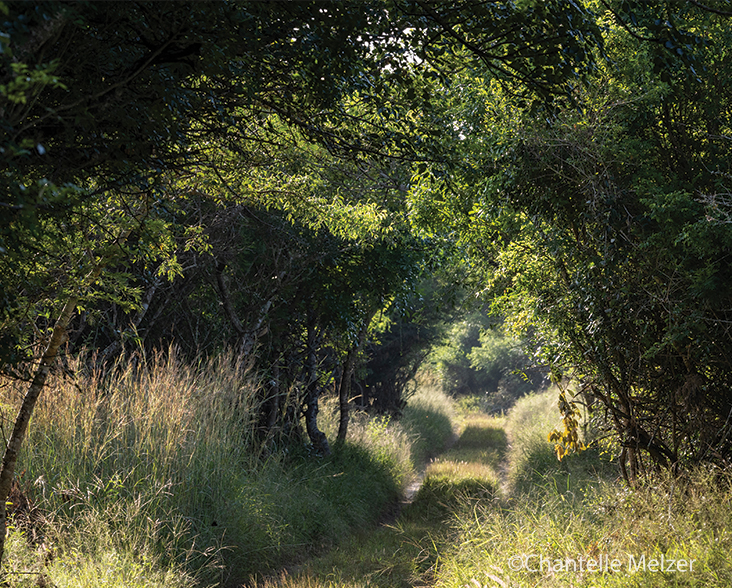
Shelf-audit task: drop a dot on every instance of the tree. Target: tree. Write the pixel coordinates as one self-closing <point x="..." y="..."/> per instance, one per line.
<point x="116" y="97"/>
<point x="597" y="227"/>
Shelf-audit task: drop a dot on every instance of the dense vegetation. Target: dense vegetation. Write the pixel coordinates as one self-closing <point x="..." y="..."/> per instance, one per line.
<point x="323" y="197"/>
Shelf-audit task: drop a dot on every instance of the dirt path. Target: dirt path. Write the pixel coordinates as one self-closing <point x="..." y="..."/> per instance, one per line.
<point x="403" y="551"/>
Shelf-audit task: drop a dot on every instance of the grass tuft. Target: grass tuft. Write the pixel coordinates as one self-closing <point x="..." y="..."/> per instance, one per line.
<point x="430" y="415"/>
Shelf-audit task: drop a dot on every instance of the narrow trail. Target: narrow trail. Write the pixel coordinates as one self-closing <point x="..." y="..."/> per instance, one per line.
<point x="403" y="550"/>
<point x="392" y="513"/>
<point x="410" y="492"/>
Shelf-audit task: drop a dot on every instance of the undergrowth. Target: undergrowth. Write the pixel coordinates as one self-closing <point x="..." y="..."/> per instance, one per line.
<point x="403" y="551"/>
<point x="151" y="474"/>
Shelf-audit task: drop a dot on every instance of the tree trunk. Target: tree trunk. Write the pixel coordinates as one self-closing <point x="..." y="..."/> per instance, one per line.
<point x="317" y="437"/>
<point x="20" y="427"/>
<point x="344" y="388"/>
<point x="344" y="393"/>
<point x="247" y="338"/>
<point x="115" y="346"/>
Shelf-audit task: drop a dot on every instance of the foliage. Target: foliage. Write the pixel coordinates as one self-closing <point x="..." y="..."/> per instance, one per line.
<point x="451" y="358"/>
<point x="596" y="230"/>
<point x="567" y="438"/>
<point x="475" y="357"/>
<point x="234" y="119"/>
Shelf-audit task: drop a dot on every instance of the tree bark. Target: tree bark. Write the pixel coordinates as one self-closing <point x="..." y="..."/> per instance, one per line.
<point x="247" y="338"/>
<point x="344" y="393"/>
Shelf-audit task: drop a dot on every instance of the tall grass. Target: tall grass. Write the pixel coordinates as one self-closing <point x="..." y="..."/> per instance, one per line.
<point x="431" y="417"/>
<point x="531" y="460"/>
<point x="151" y="474"/>
<point x="385" y="438"/>
<point x="682" y="520"/>
<point x="571" y="513"/>
<point x="144" y="462"/>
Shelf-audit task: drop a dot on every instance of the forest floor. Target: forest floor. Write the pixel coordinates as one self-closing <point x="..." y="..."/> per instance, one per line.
<point x="405" y="549"/>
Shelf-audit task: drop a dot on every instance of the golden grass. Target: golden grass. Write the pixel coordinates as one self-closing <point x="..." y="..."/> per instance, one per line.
<point x="152" y="474"/>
